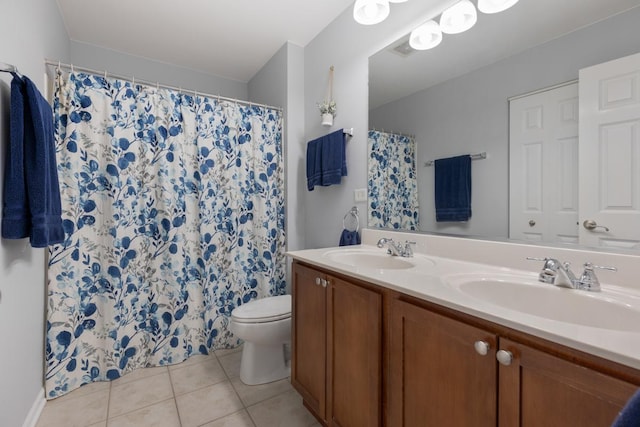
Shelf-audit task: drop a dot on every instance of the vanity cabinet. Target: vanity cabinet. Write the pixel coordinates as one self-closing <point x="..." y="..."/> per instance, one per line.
<point x="445" y="371"/>
<point x="367" y="356"/>
<point x="537" y="388"/>
<point x="436" y="377"/>
<point x="337" y="348"/>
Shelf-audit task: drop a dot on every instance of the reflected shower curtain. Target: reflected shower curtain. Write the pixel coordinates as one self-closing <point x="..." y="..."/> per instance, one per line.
<point x="173" y="209"/>
<point x="392" y="181"/>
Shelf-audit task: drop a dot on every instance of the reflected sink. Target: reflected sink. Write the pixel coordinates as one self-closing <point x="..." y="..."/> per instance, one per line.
<point x="370" y="259"/>
<point x="551" y="302"/>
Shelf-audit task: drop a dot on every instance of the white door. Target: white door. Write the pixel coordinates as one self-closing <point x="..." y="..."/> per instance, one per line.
<point x="610" y="153"/>
<point x="543" y="166"/>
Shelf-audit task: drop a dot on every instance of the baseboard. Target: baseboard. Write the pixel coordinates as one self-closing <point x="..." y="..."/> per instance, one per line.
<point x="36" y="410"/>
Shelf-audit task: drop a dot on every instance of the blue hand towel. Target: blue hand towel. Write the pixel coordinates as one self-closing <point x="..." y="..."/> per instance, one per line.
<point x="15" y="208"/>
<point x="326" y="160"/>
<point x="348" y="238"/>
<point x="453" y="189"/>
<point x="630" y="414"/>
<point x="32" y="198"/>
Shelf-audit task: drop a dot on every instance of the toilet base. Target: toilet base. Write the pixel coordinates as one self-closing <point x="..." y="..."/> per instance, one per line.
<point x="263" y="363"/>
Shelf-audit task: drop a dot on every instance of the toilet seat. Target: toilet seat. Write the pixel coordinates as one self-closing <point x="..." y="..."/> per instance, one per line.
<point x="263" y="310"/>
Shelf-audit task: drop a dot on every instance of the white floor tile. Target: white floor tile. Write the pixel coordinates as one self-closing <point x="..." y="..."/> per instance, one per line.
<point x="231" y="363"/>
<point x="252" y="394"/>
<point x="138" y="394"/>
<point x="74" y="411"/>
<point x="207" y="404"/>
<point x="284" y="410"/>
<point x="163" y="414"/>
<point x="196" y="376"/>
<point x="239" y="419"/>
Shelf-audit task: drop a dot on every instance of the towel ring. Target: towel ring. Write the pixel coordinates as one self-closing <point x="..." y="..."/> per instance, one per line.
<point x="353" y="216"/>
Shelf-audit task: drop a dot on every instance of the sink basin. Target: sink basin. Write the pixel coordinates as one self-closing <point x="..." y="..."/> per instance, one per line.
<point x="370" y="259"/>
<point x="551" y="302"/>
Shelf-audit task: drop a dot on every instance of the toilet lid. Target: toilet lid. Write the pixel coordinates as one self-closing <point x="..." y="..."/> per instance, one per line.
<point x="263" y="310"/>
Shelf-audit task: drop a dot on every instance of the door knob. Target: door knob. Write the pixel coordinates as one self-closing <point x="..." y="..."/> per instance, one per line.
<point x="531" y="223"/>
<point x="317" y="281"/>
<point x="482" y="347"/>
<point x="504" y="357"/>
<point x="324" y="283"/>
<point x="591" y="225"/>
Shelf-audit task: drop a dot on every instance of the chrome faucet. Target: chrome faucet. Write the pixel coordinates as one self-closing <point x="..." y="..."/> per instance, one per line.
<point x="396" y="249"/>
<point x="560" y="274"/>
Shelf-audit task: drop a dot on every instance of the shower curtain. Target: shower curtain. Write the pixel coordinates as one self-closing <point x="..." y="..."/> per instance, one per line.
<point x="173" y="210"/>
<point x="392" y="181"/>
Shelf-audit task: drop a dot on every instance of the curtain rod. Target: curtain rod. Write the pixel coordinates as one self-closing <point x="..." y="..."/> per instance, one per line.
<point x="391" y="132"/>
<point x="148" y="83"/>
<point x="478" y="156"/>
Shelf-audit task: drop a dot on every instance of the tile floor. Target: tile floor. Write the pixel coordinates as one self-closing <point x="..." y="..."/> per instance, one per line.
<point x="202" y="391"/>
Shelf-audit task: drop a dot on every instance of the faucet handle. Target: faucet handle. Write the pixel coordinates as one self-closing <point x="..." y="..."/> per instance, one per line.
<point x="549" y="270"/>
<point x="588" y="280"/>
<point x="408" y="250"/>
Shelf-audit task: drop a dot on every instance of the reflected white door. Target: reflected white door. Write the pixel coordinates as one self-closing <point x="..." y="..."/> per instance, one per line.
<point x="610" y="153"/>
<point x="543" y="166"/>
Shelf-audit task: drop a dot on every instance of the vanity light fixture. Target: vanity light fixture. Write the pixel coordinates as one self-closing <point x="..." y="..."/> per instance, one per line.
<point x="426" y="36"/>
<point x="458" y="18"/>
<point x="370" y="12"/>
<point x="495" y="6"/>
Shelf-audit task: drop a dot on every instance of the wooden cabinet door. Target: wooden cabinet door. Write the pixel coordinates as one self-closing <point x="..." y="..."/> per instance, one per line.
<point x="354" y="355"/>
<point x="309" y="338"/>
<point x="436" y="376"/>
<point x="538" y="389"/>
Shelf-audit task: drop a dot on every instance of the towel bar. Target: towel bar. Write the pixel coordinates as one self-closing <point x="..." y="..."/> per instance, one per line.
<point x="478" y="156"/>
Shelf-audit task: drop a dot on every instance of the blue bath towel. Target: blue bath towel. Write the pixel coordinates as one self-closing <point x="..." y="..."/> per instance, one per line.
<point x="31" y="197"/>
<point x="348" y="238"/>
<point x="453" y="189"/>
<point x="630" y="414"/>
<point x="326" y="160"/>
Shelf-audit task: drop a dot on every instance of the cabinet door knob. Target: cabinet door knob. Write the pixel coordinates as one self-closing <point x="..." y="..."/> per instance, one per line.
<point x="504" y="357"/>
<point x="482" y="347"/>
<point x="317" y="280"/>
<point x="324" y="283"/>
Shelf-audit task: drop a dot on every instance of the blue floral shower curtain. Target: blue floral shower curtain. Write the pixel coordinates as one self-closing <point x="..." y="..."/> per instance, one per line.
<point x="392" y="181"/>
<point x="173" y="209"/>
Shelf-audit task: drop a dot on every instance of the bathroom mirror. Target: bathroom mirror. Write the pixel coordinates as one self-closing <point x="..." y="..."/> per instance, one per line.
<point x="455" y="98"/>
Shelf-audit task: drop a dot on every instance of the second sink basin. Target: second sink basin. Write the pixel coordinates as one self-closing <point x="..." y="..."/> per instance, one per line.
<point x="551" y="302"/>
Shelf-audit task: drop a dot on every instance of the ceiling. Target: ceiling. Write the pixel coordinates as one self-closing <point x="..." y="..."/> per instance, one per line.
<point x="228" y="38"/>
<point x="527" y="24"/>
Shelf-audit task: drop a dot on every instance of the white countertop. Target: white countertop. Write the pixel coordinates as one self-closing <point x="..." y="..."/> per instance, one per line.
<point x="428" y="280"/>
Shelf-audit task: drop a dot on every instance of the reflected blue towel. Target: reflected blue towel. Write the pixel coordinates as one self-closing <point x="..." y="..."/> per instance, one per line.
<point x="326" y="160"/>
<point x="630" y="414"/>
<point x="348" y="238"/>
<point x="453" y="189"/>
<point x="31" y="197"/>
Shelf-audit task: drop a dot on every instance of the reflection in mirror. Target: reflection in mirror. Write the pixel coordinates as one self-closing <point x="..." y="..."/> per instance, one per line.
<point x="455" y="98"/>
<point x="393" y="186"/>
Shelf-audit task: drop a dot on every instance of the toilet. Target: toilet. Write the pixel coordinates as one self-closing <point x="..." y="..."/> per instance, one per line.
<point x="265" y="326"/>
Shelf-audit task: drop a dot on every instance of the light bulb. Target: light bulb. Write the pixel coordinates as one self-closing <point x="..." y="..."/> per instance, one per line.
<point x="426" y="36"/>
<point x="370" y="12"/>
<point x="495" y="6"/>
<point x="458" y="18"/>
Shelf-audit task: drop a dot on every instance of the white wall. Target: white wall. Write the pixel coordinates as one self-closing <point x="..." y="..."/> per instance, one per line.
<point x="280" y="83"/>
<point x="30" y="31"/>
<point x="469" y="114"/>
<point x="101" y="59"/>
